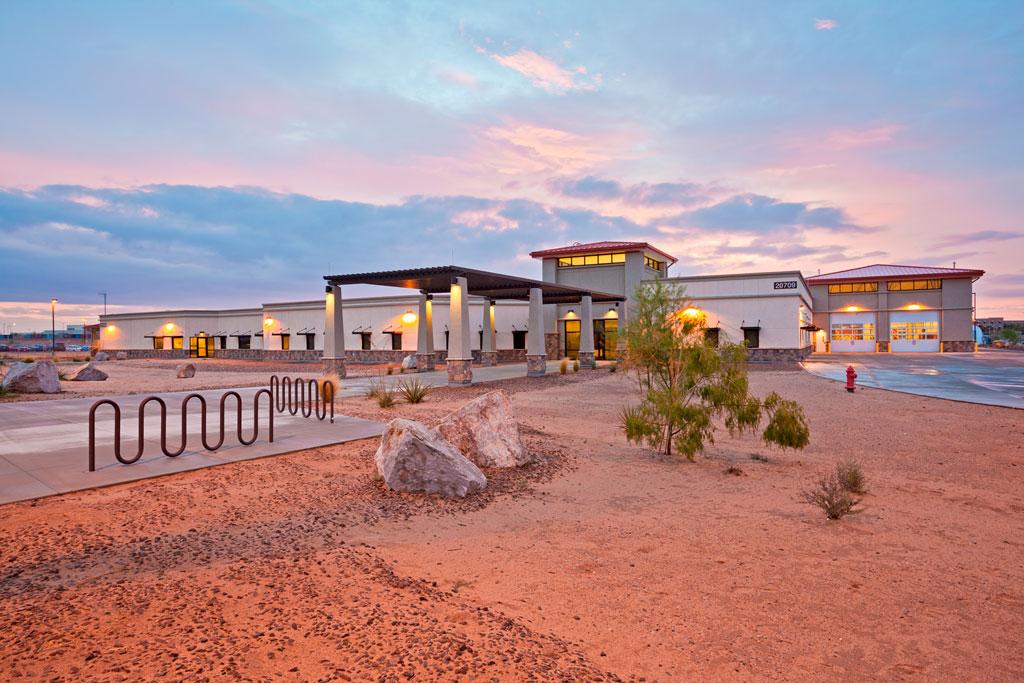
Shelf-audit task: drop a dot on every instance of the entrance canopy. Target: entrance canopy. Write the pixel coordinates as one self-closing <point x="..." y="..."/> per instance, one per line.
<point x="438" y="280"/>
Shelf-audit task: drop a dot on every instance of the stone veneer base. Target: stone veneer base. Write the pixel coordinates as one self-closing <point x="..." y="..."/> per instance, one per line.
<point x="536" y="366"/>
<point x="958" y="347"/>
<point x="425" y="362"/>
<point x="778" y="355"/>
<point x="460" y="371"/>
<point x="488" y="358"/>
<point x="587" y="361"/>
<point x="335" y="365"/>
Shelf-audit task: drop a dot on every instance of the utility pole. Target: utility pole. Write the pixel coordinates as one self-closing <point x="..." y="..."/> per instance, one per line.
<point x="104" y="295"/>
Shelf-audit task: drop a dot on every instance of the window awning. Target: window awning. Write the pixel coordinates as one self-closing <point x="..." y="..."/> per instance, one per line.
<point x="745" y="326"/>
<point x="810" y="328"/>
<point x="438" y="280"/>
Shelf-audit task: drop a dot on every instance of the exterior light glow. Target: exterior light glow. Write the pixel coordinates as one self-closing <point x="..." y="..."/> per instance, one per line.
<point x="110" y="329"/>
<point x="691" y="312"/>
<point x="571" y="313"/>
<point x="408" y="317"/>
<point x="169" y="326"/>
<point x="268" y="321"/>
<point x="853" y="309"/>
<point x="914" y="307"/>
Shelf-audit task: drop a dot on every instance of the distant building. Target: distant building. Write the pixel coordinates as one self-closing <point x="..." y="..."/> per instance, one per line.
<point x="993" y="327"/>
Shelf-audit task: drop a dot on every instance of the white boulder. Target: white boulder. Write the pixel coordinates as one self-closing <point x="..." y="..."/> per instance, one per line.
<point x="40" y="377"/>
<point x="187" y="370"/>
<point x="409" y="362"/>
<point x="415" y="458"/>
<point x="101" y="356"/>
<point x="486" y="432"/>
<point x="89" y="373"/>
<point x="121" y="355"/>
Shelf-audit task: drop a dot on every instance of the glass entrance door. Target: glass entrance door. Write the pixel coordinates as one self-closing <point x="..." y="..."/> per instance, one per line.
<point x="606" y="338"/>
<point x="200" y="346"/>
<point x="572" y="339"/>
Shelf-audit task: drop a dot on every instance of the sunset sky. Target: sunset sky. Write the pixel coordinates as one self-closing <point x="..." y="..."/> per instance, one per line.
<point x="205" y="154"/>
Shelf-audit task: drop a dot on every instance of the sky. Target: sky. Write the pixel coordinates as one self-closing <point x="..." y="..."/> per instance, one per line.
<point x="206" y="154"/>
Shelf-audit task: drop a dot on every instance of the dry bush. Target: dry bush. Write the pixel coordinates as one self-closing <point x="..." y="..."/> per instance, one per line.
<point x="329" y="377"/>
<point x="734" y="470"/>
<point x="391" y="369"/>
<point x="563" y="366"/>
<point x="612" y="367"/>
<point x="386" y="397"/>
<point x="851" y="476"/>
<point x="413" y="391"/>
<point x="831" y="497"/>
<point x="575" y="366"/>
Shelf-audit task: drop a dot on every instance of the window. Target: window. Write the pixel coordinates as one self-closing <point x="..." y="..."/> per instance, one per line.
<point x="396" y="341"/>
<point x="913" y="285"/>
<point x="711" y="336"/>
<point x="244" y="341"/>
<point x="158" y="343"/>
<point x="752" y="337"/>
<point x="651" y="263"/>
<point x="310" y="341"/>
<point x="518" y="339"/>
<point x="223" y="341"/>
<point x="853" y="288"/>
<point x="591" y="260"/>
<point x="853" y="332"/>
<point x="286" y="342"/>
<point x="176" y="342"/>
<point x="364" y="338"/>
<point x="912" y="331"/>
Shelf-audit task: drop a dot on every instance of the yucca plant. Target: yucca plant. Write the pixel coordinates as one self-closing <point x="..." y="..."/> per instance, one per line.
<point x="386" y="397"/>
<point x="413" y="391"/>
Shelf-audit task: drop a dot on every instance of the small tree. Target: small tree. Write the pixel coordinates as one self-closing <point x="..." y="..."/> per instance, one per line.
<point x="1011" y="334"/>
<point x="687" y="383"/>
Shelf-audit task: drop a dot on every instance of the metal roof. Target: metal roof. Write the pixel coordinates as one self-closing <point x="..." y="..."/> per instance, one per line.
<point x="881" y="271"/>
<point x="598" y="247"/>
<point x="438" y="280"/>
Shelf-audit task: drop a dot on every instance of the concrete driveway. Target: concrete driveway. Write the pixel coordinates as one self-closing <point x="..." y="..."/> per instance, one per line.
<point x="990" y="377"/>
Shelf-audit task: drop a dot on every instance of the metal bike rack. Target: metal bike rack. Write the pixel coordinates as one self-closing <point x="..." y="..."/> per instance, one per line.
<point x="184" y="425"/>
<point x="302" y="395"/>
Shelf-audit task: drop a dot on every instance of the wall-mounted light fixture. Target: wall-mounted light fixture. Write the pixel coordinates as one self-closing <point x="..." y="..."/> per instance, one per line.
<point x="169" y="326"/>
<point x="268" y="321"/>
<point x="408" y="317"/>
<point x="691" y="312"/>
<point x="853" y="309"/>
<point x="914" y="307"/>
<point x="110" y="329"/>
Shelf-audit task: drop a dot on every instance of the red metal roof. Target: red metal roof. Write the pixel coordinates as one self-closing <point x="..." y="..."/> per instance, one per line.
<point x="881" y="271"/>
<point x="599" y="247"/>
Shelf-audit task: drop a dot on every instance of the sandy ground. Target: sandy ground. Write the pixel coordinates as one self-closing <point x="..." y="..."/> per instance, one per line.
<point x="601" y="562"/>
<point x="146" y="376"/>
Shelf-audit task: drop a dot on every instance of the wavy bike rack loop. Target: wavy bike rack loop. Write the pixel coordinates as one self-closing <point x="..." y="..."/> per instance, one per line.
<point x="184" y="425"/>
<point x="299" y="394"/>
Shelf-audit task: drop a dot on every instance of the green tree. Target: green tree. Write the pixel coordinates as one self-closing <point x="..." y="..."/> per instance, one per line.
<point x="1011" y="334"/>
<point x="687" y="384"/>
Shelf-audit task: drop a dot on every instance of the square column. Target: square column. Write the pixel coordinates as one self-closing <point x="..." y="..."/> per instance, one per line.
<point x="334" y="333"/>
<point x="425" y="357"/>
<point x="489" y="348"/>
<point x="460" y="354"/>
<point x="536" y="358"/>
<point x="587" y="333"/>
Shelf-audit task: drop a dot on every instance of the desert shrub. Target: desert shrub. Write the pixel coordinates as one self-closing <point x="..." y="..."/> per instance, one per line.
<point x="851" y="476"/>
<point x="391" y="369"/>
<point x="386" y="397"/>
<point x="688" y="386"/>
<point x="759" y="457"/>
<point x="413" y="391"/>
<point x="612" y="367"/>
<point x="734" y="470"/>
<point x="4" y="391"/>
<point x="29" y="359"/>
<point x="563" y="366"/>
<point x="831" y="497"/>
<point x="61" y="375"/>
<point x="374" y="389"/>
<point x="575" y="366"/>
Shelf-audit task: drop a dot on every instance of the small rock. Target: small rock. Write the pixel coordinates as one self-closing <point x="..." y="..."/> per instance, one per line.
<point x="409" y="362"/>
<point x="121" y="355"/>
<point x="187" y="370"/>
<point x="89" y="373"/>
<point x="413" y="457"/>
<point x="486" y="432"/>
<point x="101" y="356"/>
<point x="40" y="377"/>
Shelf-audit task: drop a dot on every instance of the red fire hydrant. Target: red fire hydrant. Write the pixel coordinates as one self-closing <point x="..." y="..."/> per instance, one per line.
<point x="850" y="377"/>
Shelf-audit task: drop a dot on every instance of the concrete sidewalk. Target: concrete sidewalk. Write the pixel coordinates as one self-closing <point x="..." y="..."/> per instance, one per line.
<point x="44" y="445"/>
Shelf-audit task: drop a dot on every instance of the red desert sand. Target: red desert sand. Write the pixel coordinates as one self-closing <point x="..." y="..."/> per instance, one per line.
<point x="602" y="562"/>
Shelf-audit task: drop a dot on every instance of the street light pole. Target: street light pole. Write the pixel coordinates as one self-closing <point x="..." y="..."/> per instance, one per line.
<point x="53" y="327"/>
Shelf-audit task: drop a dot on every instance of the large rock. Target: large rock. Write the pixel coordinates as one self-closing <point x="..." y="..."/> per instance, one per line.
<point x="413" y="457"/>
<point x="33" y="378"/>
<point x="89" y="373"/>
<point x="121" y="355"/>
<point x="101" y="356"/>
<point x="486" y="432"/>
<point x="409" y="362"/>
<point x="187" y="370"/>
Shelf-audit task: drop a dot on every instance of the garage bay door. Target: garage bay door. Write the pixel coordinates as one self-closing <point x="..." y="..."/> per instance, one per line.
<point x="917" y="331"/>
<point x="852" y="333"/>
